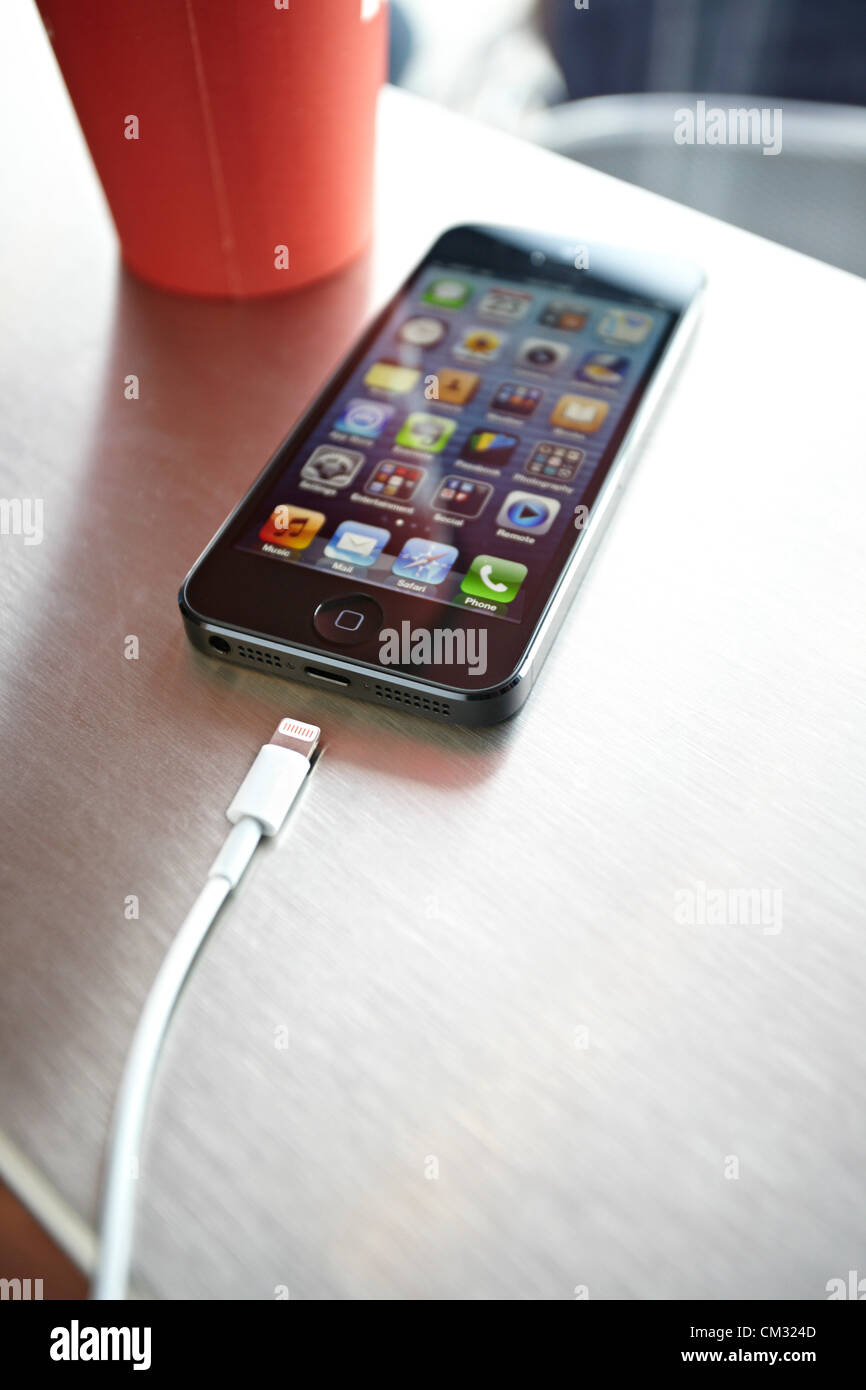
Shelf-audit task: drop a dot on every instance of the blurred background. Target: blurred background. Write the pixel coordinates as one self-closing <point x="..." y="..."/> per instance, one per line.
<point x="600" y="82"/>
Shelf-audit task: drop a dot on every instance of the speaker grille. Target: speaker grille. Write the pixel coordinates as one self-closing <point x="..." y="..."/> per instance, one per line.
<point x="261" y="657"/>
<point x="395" y="696"/>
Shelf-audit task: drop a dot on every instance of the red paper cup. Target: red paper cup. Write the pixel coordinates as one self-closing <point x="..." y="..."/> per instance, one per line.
<point x="234" y="138"/>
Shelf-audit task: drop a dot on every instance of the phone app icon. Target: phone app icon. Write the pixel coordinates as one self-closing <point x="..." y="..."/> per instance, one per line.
<point x="393" y="479"/>
<point x="390" y="376"/>
<point x="513" y="398"/>
<point x="506" y="305"/>
<point x="455" y="387"/>
<point x="492" y="578"/>
<point x="624" y="326"/>
<point x="447" y="292"/>
<point x="557" y="463"/>
<point x="422" y="331"/>
<point x="567" y="314"/>
<point x="603" y="368"/>
<point x="291" y="527"/>
<point x="461" y="496"/>
<point x="332" y="466"/>
<point x="582" y="413"/>
<point x="429" y="433"/>
<point x="540" y="355"/>
<point x="489" y="447"/>
<point x="427" y="561"/>
<point x="524" y="511"/>
<point x="357" y="543"/>
<point x="366" y="419"/>
<point x="480" y="345"/>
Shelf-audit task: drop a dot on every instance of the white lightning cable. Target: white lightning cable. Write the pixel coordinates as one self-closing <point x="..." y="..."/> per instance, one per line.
<point x="260" y="807"/>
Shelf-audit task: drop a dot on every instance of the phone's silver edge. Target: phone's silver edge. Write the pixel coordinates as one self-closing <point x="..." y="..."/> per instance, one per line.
<point x="605" y="504"/>
<point x="569" y="580"/>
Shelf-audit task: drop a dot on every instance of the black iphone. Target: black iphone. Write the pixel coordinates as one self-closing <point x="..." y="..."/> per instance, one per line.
<point x="416" y="539"/>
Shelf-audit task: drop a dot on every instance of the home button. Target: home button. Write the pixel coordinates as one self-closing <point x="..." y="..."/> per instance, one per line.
<point x="356" y="618"/>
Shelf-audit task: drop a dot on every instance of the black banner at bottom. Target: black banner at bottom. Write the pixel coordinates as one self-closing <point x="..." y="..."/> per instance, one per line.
<point x="152" y="1338"/>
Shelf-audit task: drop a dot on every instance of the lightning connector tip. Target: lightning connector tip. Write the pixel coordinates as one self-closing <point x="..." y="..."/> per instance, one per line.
<point x="301" y="738"/>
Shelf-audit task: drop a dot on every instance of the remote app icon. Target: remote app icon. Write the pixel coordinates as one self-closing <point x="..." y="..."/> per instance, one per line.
<point x="428" y="433"/>
<point x="332" y="466"/>
<point x="524" y="511"/>
<point x="357" y="543"/>
<point x="426" y="561"/>
<point x="291" y="527"/>
<point x="492" y="578"/>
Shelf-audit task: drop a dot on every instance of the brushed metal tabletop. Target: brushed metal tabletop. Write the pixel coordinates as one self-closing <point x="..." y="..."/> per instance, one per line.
<point x="454" y="1039"/>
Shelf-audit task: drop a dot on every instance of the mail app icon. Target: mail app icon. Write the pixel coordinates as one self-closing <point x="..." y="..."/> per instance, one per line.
<point x="356" y="543"/>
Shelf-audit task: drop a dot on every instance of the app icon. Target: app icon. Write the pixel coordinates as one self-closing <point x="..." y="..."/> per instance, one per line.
<point x="512" y="398"/>
<point x="461" y="496"/>
<point x="603" y="368"/>
<point x="488" y="447"/>
<point x="480" y="345"/>
<point x="568" y="314"/>
<point x="393" y="479"/>
<point x="523" y="511"/>
<point x="390" y="376"/>
<point x="422" y="332"/>
<point x="581" y="413"/>
<point x="456" y="388"/>
<point x="367" y="419"/>
<point x="447" y="293"/>
<point x="426" y="561"/>
<point x="492" y="578"/>
<point x="507" y="305"/>
<point x="624" y="326"/>
<point x="333" y="466"/>
<point x="540" y="355"/>
<point x="357" y="543"/>
<point x="427" y="432"/>
<point x="292" y="527"/>
<point x="558" y="463"/>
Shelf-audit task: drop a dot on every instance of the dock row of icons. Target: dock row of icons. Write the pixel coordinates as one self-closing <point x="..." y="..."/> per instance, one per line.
<point x="421" y="560"/>
<point x="294" y="527"/>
